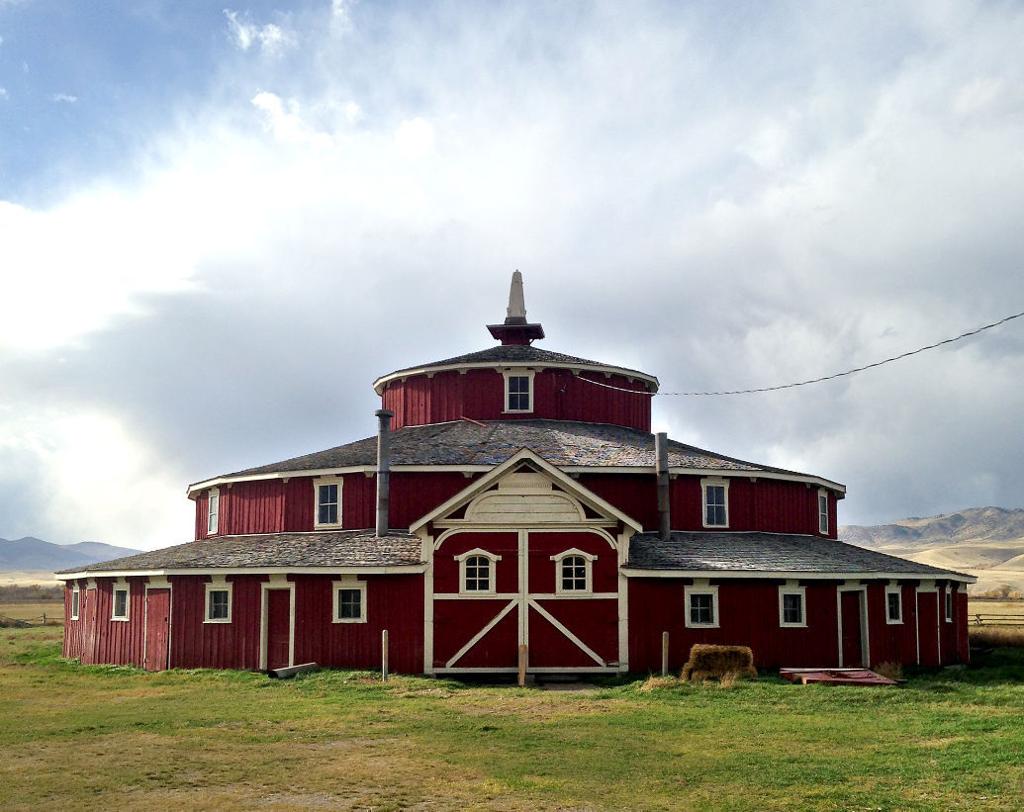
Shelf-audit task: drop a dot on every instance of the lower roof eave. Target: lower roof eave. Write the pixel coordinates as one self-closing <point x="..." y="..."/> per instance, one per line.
<point x="639" y="572"/>
<point x="395" y="569"/>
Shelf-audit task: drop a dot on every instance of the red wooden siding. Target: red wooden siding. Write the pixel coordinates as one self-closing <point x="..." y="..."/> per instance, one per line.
<point x="480" y="394"/>
<point x="95" y="638"/>
<point x="202" y="500"/>
<point x="505" y="571"/>
<point x="892" y="642"/>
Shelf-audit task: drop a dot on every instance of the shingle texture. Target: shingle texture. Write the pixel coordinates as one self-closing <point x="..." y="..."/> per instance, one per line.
<point x="560" y="442"/>
<point x="336" y="548"/>
<point x="764" y="552"/>
<point x="515" y="354"/>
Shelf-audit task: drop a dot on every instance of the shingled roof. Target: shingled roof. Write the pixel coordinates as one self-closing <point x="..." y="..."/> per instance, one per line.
<point x="767" y="552"/>
<point x="560" y="442"/>
<point x="516" y="354"/>
<point x="336" y="548"/>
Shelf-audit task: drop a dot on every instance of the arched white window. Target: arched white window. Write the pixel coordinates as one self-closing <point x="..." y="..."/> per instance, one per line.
<point x="477" y="572"/>
<point x="573" y="571"/>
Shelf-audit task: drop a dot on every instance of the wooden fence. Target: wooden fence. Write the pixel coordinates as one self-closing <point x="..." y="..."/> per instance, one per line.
<point x="25" y="622"/>
<point x="993" y="619"/>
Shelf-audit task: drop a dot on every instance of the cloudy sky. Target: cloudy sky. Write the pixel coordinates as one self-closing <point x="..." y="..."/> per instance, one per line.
<point x="218" y="225"/>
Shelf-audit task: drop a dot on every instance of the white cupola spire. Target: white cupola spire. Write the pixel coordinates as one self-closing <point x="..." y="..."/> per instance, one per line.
<point x="515" y="329"/>
<point x="516" y="301"/>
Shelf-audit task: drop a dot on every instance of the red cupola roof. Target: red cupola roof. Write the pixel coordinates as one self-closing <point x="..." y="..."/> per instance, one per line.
<point x="515" y="329"/>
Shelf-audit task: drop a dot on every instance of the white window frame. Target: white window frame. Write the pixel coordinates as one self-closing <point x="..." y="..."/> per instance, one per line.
<point x="792" y="589"/>
<point x="823" y="521"/>
<point x="949" y="604"/>
<point x="76" y="602"/>
<point x="213" y="512"/>
<point x="518" y="373"/>
<point x="327" y="480"/>
<point x="462" y="558"/>
<point x="689" y="591"/>
<point x="893" y="590"/>
<point x="218" y="586"/>
<point x="358" y="586"/>
<point x="121" y="586"/>
<point x="704" y="484"/>
<point x="588" y="569"/>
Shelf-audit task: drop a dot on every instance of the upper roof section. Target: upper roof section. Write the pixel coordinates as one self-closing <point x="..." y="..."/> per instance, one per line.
<point x="469" y="445"/>
<point x="517" y="380"/>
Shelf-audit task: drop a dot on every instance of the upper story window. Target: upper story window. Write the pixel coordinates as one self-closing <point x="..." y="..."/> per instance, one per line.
<point x="213" y="511"/>
<point x="218" y="603"/>
<point x="823" y="512"/>
<point x="792" y="606"/>
<point x="328" y="502"/>
<point x="518" y="390"/>
<point x="75" y="602"/>
<point x="573" y="571"/>
<point x="477" y="571"/>
<point x="701" y="607"/>
<point x="349" y="602"/>
<point x="119" y="604"/>
<point x="715" y="502"/>
<point x="893" y="605"/>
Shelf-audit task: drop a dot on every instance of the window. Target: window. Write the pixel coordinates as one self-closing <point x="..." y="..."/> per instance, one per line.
<point x="218" y="602"/>
<point x="701" y="607"/>
<point x="518" y="391"/>
<point x="823" y="512"/>
<point x="120" y="603"/>
<point x="949" y="605"/>
<point x="792" y="606"/>
<point x="349" y="602"/>
<point x="573" y="571"/>
<point x="716" y="502"/>
<point x="213" y="511"/>
<point x="75" y="598"/>
<point x="477" y="571"/>
<point x="328" y="502"/>
<point x="478" y="574"/>
<point x="893" y="605"/>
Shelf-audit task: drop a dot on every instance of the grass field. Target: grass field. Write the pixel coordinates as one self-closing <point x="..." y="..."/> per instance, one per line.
<point x="33" y="610"/>
<point x="108" y="737"/>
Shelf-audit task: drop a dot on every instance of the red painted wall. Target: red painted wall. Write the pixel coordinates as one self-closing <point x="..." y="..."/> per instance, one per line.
<point x="480" y="394"/>
<point x="892" y="642"/>
<point x="94" y="637"/>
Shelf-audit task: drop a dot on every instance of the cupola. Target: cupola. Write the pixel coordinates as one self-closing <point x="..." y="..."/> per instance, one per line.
<point x="515" y="329"/>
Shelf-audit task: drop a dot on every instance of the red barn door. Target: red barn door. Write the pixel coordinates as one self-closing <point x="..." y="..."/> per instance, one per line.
<point x="853" y="632"/>
<point x="279" y="627"/>
<point x="158" y="626"/>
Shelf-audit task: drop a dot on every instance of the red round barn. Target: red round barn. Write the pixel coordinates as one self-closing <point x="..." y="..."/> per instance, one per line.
<point x="514" y="503"/>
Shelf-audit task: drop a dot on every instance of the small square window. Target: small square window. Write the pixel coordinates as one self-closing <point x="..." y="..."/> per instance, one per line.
<point x="220" y="605"/>
<point x="478" y="574"/>
<point x="893" y="606"/>
<point x="120" y="603"/>
<point x="715" y="507"/>
<point x="518" y="395"/>
<point x="793" y="608"/>
<point x="702" y="609"/>
<point x="350" y="604"/>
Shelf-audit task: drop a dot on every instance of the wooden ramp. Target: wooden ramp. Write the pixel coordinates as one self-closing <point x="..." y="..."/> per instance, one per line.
<point x="835" y="676"/>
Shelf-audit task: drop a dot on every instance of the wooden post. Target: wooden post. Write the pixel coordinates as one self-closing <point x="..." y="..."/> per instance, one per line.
<point x="384" y="655"/>
<point x="664" y="654"/>
<point x="522" y="665"/>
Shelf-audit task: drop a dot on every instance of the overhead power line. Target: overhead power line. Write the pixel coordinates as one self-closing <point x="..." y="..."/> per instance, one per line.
<point x="823" y="378"/>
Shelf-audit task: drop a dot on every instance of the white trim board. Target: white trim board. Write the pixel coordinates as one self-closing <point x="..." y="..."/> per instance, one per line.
<point x="403" y="569"/>
<point x="801" y="576"/>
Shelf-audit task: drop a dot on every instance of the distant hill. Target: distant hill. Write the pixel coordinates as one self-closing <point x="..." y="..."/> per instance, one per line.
<point x="30" y="553"/>
<point x="987" y="542"/>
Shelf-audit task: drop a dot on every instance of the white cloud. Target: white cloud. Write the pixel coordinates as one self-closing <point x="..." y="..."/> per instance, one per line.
<point x="270" y="37"/>
<point x="415" y="138"/>
<point x="63" y="98"/>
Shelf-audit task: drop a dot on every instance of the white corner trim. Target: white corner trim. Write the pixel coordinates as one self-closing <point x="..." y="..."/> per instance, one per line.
<point x="218" y="585"/>
<point x="792" y="589"/>
<point x="327" y="480"/>
<point x="353" y="584"/>
<point x="718" y="482"/>
<point x="701" y="589"/>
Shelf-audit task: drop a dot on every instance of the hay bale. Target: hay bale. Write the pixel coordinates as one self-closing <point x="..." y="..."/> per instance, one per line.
<point x="715" y="662"/>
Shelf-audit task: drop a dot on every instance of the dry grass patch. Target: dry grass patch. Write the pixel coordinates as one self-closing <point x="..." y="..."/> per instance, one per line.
<point x="993" y="636"/>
